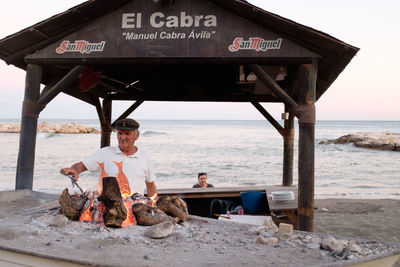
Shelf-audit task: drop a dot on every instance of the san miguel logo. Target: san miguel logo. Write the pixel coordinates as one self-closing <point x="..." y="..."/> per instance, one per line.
<point x="254" y="43"/>
<point x="81" y="46"/>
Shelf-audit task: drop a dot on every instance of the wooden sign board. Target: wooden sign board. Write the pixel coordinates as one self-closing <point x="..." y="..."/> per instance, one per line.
<point x="190" y="29"/>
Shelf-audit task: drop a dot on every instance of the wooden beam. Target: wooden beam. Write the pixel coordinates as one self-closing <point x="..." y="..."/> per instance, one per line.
<point x="76" y="10"/>
<point x="268" y="117"/>
<point x="307" y="78"/>
<point x="71" y="76"/>
<point x="50" y="85"/>
<point x="191" y="98"/>
<point x="106" y="129"/>
<point x="21" y="53"/>
<point x="272" y="85"/>
<point x="128" y="111"/>
<point x="122" y="83"/>
<point x="99" y="110"/>
<point x="29" y="117"/>
<point x="106" y="85"/>
<point x="288" y="150"/>
<point x="39" y="32"/>
<point x="104" y="114"/>
<point x="85" y="97"/>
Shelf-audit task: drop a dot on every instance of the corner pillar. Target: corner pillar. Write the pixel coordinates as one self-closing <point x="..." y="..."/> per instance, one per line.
<point x="305" y="113"/>
<point x="29" y="118"/>
<point x="288" y="150"/>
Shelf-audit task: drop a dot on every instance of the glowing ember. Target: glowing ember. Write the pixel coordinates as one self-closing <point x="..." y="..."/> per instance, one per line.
<point x="87" y="214"/>
<point x="98" y="213"/>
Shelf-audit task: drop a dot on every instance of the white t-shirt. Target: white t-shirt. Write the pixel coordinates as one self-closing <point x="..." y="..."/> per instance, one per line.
<point x="137" y="167"/>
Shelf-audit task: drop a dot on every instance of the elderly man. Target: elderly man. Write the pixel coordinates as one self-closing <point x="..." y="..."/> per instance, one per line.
<point x="122" y="160"/>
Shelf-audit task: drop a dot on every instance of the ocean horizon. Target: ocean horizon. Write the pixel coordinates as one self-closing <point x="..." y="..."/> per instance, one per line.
<point x="232" y="152"/>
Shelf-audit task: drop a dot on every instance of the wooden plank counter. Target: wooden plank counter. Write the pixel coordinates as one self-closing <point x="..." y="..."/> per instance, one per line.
<point x="211" y="192"/>
<point x="283" y="209"/>
<point x="199" y="199"/>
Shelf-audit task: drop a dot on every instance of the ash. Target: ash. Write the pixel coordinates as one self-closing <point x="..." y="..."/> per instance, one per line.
<point x="30" y="222"/>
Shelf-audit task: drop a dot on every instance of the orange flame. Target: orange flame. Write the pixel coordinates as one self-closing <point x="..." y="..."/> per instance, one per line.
<point x="125" y="193"/>
<point x="130" y="218"/>
<point x="87" y="214"/>
<point x="153" y="200"/>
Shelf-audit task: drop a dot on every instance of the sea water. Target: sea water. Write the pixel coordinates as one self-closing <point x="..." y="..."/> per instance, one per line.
<point x="232" y="153"/>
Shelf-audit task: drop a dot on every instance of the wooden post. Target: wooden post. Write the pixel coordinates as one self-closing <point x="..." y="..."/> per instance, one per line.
<point x="106" y="127"/>
<point x="29" y="118"/>
<point x="306" y="115"/>
<point x="288" y="150"/>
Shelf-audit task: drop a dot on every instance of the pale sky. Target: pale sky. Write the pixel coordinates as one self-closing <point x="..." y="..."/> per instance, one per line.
<point x="368" y="89"/>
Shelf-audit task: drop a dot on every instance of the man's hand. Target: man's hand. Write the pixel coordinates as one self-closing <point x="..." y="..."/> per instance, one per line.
<point x="151" y="190"/>
<point x="74" y="170"/>
<point x="69" y="171"/>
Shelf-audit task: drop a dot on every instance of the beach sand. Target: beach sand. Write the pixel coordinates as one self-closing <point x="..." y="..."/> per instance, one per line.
<point x="25" y="222"/>
<point x="373" y="219"/>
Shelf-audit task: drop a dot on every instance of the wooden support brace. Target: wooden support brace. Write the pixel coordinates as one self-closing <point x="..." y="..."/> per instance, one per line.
<point x="100" y="113"/>
<point x="71" y="76"/>
<point x="50" y="85"/>
<point x="272" y="85"/>
<point x="99" y="110"/>
<point x="129" y="111"/>
<point x="107" y="129"/>
<point x="268" y="117"/>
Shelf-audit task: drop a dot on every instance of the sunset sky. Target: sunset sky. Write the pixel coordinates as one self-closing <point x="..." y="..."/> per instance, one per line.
<point x="368" y="89"/>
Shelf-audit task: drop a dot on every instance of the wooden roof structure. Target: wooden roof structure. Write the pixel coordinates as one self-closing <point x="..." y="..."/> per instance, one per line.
<point x="333" y="54"/>
<point x="178" y="50"/>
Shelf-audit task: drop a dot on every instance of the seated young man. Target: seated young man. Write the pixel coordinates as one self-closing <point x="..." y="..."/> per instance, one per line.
<point x="202" y="181"/>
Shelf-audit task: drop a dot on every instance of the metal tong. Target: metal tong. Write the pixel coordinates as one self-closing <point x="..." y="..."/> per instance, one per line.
<point x="74" y="183"/>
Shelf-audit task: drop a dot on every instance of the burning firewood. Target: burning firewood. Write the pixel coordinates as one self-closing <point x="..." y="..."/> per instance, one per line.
<point x="173" y="206"/>
<point x="115" y="212"/>
<point x="72" y="205"/>
<point x="146" y="215"/>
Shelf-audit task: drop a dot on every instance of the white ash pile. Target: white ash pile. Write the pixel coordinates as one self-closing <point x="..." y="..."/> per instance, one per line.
<point x="338" y="249"/>
<point x="33" y="224"/>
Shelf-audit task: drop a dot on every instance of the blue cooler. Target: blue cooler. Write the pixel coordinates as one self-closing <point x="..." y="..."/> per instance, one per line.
<point x="254" y="202"/>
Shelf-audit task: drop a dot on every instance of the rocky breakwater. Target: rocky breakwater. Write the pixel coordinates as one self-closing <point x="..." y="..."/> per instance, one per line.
<point x="44" y="127"/>
<point x="380" y="141"/>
